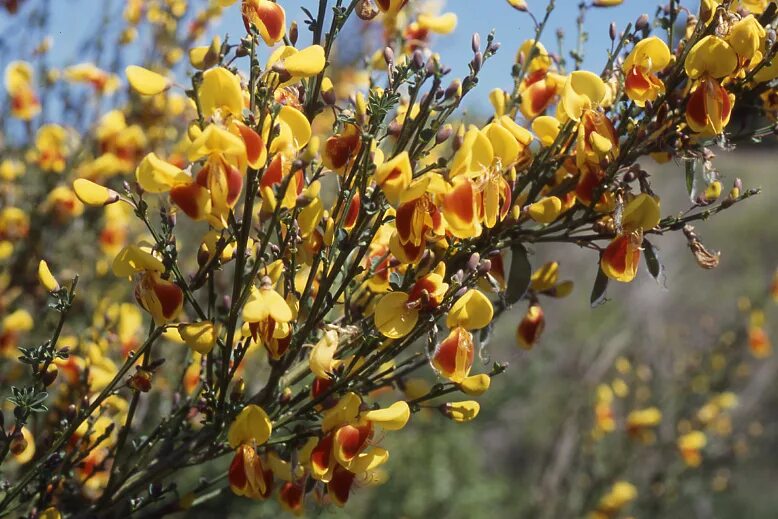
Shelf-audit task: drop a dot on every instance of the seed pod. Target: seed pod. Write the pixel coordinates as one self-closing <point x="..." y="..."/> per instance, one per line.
<point x="18" y="444"/>
<point x="612" y="31"/>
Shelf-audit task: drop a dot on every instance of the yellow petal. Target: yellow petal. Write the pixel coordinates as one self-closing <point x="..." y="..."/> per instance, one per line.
<point x="546" y="127"/>
<point x="308" y="62"/>
<point x="201" y="337"/>
<point x="471" y="311"/>
<point x="146" y="82"/>
<point x="392" y="318"/>
<point x="392" y="418"/>
<point x="711" y="56"/>
<point x="545" y="210"/>
<point x="476" y="385"/>
<point x="251" y="425"/>
<point x="157" y="176"/>
<point x="46" y="278"/>
<point x="132" y="259"/>
<point x="443" y="24"/>
<point x="642" y="212"/>
<point x="461" y="411"/>
<point x="220" y="90"/>
<point x="583" y="90"/>
<point x="394" y="177"/>
<point x="344" y="411"/>
<point x="94" y="194"/>
<point x="321" y="360"/>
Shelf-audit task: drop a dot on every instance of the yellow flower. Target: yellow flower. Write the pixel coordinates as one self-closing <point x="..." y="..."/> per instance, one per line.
<point x="620" y="259"/>
<point x="45" y="277"/>
<point x="102" y="81"/>
<point x="583" y="91"/>
<point x="321" y="360"/>
<point x="690" y="445"/>
<point x="268" y="316"/>
<point x="19" y="83"/>
<point x="648" y="57"/>
<point x="453" y="357"/>
<point x="160" y="297"/>
<point x="53" y="146"/>
<point x="397" y="313"/>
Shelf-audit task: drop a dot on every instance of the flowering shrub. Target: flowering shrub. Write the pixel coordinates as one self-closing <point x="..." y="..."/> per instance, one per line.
<point x="300" y="235"/>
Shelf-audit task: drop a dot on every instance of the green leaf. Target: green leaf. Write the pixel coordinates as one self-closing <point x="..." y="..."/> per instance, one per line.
<point x="689" y="176"/>
<point x="652" y="261"/>
<point x="598" y="290"/>
<point x="520" y="275"/>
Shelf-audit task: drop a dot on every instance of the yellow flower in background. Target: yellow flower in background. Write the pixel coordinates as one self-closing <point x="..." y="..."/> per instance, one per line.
<point x="146" y="82"/>
<point x="619" y="496"/>
<point x="20" y="85"/>
<point x="103" y="82"/>
<point x="53" y="144"/>
<point x="690" y="446"/>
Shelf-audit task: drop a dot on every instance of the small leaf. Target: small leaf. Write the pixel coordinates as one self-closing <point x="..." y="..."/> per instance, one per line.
<point x="652" y="261"/>
<point x="520" y="275"/>
<point x="598" y="290"/>
<point x="689" y="176"/>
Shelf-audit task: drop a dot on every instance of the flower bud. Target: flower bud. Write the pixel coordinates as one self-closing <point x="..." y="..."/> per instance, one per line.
<point x="477" y="62"/>
<point x="388" y="56"/>
<point x="294" y="33"/>
<point x="475" y="42"/>
<point x="443" y="134"/>
<point x="641" y="24"/>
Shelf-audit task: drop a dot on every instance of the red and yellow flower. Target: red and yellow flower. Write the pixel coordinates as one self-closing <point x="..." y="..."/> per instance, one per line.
<point x="161" y="298"/>
<point x="620" y="259"/>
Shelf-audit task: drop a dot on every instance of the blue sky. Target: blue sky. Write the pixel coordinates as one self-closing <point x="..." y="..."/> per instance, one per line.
<point x="73" y="17"/>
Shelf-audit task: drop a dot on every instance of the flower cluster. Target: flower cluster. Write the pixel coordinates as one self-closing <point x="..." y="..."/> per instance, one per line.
<point x="304" y="235"/>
